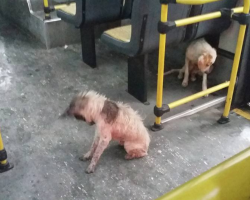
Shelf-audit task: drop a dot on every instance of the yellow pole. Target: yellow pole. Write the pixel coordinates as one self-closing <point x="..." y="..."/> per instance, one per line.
<point x="46" y="7"/>
<point x="236" y="62"/>
<point x="195" y="2"/>
<point x="1" y="148"/>
<point x="161" y="62"/>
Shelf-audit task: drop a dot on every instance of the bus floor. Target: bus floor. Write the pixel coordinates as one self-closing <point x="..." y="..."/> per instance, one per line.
<point x="37" y="84"/>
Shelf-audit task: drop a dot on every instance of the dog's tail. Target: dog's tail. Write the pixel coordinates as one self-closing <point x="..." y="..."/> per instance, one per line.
<point x="171" y="71"/>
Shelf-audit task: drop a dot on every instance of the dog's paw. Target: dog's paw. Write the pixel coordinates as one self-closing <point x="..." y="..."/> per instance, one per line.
<point x="129" y="157"/>
<point x="193" y="79"/>
<point x="206" y="96"/>
<point x="180" y="76"/>
<point x="184" y="84"/>
<point x="84" y="158"/>
<point x="89" y="170"/>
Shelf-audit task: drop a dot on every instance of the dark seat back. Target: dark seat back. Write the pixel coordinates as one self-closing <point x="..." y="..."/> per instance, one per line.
<point x="144" y="35"/>
<point x="211" y="27"/>
<point x="93" y="12"/>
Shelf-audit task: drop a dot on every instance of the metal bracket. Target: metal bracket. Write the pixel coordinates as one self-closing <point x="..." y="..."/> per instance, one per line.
<point x="242" y="18"/>
<point x="160" y="111"/>
<point x="226" y="13"/>
<point x="164" y="27"/>
<point x="3" y="155"/>
<point x="167" y="1"/>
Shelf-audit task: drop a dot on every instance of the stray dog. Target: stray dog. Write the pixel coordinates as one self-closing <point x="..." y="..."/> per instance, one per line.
<point x="114" y="120"/>
<point x="200" y="57"/>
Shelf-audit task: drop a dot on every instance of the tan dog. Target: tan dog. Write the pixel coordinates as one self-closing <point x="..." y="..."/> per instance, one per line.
<point x="200" y="57"/>
<point x="113" y="120"/>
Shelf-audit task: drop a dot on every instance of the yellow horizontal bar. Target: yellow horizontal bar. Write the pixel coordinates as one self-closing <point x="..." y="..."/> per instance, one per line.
<point x="198" y="95"/>
<point x="195" y="2"/>
<point x="205" y="17"/>
<point x="229" y="180"/>
<point x="60" y="6"/>
<point x="242" y="113"/>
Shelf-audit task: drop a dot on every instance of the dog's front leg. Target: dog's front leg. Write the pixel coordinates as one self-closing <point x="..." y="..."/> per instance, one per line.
<point x="186" y="75"/>
<point x="102" y="145"/>
<point x="204" y="83"/>
<point x="93" y="147"/>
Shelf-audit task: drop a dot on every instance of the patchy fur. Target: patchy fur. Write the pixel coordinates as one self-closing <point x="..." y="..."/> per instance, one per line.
<point x="114" y="120"/>
<point x="200" y="57"/>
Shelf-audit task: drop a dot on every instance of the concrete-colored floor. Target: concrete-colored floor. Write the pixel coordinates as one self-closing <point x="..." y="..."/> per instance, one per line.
<point x="36" y="85"/>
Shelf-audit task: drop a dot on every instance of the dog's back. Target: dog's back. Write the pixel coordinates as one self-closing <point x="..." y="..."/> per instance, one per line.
<point x="129" y="125"/>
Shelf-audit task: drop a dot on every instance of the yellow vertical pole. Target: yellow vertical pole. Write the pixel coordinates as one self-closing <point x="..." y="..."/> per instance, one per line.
<point x="236" y="62"/>
<point x="2" y="148"/>
<point x="161" y="62"/>
<point x="46" y="9"/>
<point x="4" y="164"/>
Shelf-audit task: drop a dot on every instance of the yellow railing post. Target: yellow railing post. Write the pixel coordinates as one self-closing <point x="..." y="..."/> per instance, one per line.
<point x="46" y="9"/>
<point x="4" y="165"/>
<point x="225" y="119"/>
<point x="161" y="63"/>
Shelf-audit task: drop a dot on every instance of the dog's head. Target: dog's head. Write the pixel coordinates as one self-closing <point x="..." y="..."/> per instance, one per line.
<point x="85" y="107"/>
<point x="206" y="60"/>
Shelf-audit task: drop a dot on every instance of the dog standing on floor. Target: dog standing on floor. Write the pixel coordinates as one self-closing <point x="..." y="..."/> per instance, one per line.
<point x="114" y="120"/>
<point x="200" y="57"/>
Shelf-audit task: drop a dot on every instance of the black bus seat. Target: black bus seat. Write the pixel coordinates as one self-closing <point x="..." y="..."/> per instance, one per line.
<point x="141" y="37"/>
<point x="85" y="14"/>
<point x="212" y="28"/>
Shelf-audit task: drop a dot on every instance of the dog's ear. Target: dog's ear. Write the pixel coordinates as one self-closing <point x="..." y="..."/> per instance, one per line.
<point x="201" y="59"/>
<point x="110" y="111"/>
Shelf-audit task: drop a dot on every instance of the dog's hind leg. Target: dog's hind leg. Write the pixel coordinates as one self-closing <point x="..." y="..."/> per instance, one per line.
<point x="204" y="83"/>
<point x="93" y="147"/>
<point x="186" y="75"/>
<point x="102" y="145"/>
<point x="181" y="72"/>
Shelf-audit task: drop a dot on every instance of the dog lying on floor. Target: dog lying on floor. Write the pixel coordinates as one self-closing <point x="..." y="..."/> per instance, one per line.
<point x="200" y="57"/>
<point x="114" y="120"/>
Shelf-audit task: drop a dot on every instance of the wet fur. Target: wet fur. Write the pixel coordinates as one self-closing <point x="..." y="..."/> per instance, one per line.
<point x="200" y="57"/>
<point x="114" y="120"/>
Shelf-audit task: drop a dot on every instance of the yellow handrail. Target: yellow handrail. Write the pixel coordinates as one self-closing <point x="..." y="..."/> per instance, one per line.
<point x="195" y="2"/>
<point x="198" y="95"/>
<point x="205" y="17"/>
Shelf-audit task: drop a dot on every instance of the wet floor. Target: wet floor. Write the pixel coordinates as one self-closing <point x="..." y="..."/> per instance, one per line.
<point x="36" y="85"/>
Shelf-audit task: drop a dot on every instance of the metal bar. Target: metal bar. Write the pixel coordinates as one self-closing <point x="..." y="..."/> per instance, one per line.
<point x="229" y="180"/>
<point x="1" y="148"/>
<point x="46" y="7"/>
<point x="161" y="62"/>
<point x="195" y="109"/>
<point x="205" y="17"/>
<point x="236" y="62"/>
<point x="195" y="2"/>
<point x="198" y="95"/>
